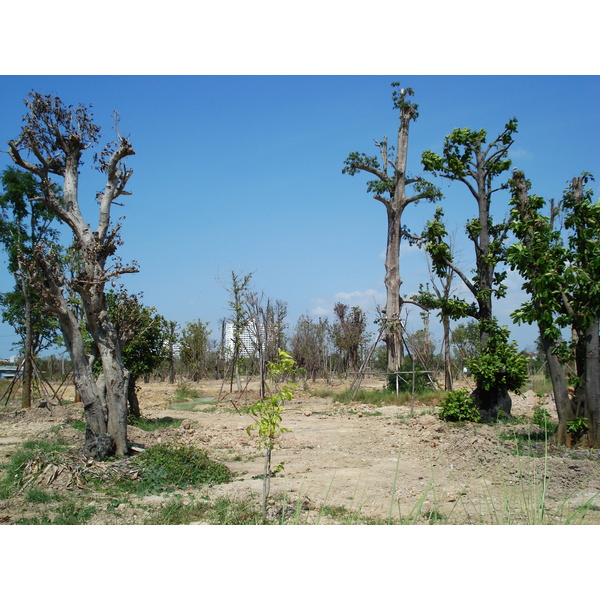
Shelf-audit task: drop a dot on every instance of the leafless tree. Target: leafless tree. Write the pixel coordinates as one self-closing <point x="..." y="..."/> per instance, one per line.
<point x="51" y="144"/>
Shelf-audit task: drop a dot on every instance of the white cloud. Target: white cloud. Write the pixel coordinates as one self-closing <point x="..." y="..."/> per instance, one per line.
<point x="520" y="154"/>
<point x="368" y="300"/>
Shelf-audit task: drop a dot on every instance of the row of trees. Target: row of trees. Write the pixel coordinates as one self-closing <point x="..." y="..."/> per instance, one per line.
<point x="558" y="259"/>
<point x="69" y="283"/>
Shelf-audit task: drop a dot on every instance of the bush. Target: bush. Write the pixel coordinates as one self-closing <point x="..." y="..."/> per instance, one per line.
<point x="459" y="406"/>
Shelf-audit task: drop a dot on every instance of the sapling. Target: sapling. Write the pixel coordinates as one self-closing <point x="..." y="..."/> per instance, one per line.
<point x="268" y="415"/>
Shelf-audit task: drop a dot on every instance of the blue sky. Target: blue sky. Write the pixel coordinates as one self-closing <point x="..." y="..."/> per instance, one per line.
<point x="244" y="173"/>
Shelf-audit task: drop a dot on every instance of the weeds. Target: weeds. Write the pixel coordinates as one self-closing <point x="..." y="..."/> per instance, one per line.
<point x="387" y="398"/>
<point x="166" y="467"/>
<point x="153" y="424"/>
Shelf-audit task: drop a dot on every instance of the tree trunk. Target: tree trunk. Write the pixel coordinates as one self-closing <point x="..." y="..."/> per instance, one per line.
<point x="564" y="406"/>
<point x="132" y="399"/>
<point x="591" y="381"/>
<point x="28" y="351"/>
<point x="392" y="280"/>
<point x="447" y="356"/>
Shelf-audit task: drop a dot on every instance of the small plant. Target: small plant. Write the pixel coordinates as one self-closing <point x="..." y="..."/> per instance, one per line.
<point x="267" y="414"/>
<point x="576" y="428"/>
<point x="541" y="418"/>
<point x="459" y="406"/>
<point x="184" y="391"/>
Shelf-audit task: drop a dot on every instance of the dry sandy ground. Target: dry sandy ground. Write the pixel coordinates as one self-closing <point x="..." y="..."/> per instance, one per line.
<point x="378" y="462"/>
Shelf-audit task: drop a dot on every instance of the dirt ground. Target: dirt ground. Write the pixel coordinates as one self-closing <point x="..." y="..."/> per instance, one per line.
<point x="376" y="462"/>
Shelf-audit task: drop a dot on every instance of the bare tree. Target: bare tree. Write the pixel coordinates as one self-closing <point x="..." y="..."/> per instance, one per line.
<point x="51" y="144"/>
<point x="390" y="188"/>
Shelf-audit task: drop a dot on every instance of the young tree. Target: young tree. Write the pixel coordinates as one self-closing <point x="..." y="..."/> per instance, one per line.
<point x="24" y="223"/>
<point x="561" y="277"/>
<point x="266" y="326"/>
<point x="50" y="146"/>
<point x="195" y="348"/>
<point x="469" y="159"/>
<point x="349" y="334"/>
<point x="309" y="345"/>
<point x="391" y="188"/>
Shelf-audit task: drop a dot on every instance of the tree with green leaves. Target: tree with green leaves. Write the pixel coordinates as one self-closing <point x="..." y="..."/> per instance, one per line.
<point x="142" y="334"/>
<point x="470" y="159"/>
<point x="561" y="272"/>
<point x="267" y="414"/>
<point x="24" y="223"/>
<point x="51" y="145"/>
<point x="391" y="187"/>
<point x="195" y="347"/>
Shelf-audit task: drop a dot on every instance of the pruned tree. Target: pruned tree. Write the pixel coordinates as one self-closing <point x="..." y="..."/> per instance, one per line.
<point x="470" y="159"/>
<point x="309" y="345"/>
<point x="561" y="276"/>
<point x="349" y="334"/>
<point x="51" y="144"/>
<point x="391" y="188"/>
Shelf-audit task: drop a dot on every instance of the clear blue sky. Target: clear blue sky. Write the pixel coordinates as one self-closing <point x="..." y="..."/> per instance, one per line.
<point x="244" y="173"/>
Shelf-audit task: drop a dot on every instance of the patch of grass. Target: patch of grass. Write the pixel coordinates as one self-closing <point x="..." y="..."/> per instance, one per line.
<point x="186" y="391"/>
<point x="388" y="398"/>
<point x="78" y="424"/>
<point x="539" y="385"/>
<point x="67" y="513"/>
<point x="153" y="424"/>
<point x="36" y="495"/>
<point x="223" y="511"/>
<point x="166" y="467"/>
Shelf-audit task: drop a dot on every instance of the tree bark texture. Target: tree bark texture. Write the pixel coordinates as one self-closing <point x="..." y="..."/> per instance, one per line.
<point x="57" y="137"/>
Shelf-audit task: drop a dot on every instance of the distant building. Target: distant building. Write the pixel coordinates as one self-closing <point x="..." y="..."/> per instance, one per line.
<point x="8" y="371"/>
<point x="248" y="337"/>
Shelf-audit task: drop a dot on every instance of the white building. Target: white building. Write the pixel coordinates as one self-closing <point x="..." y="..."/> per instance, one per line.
<point x="248" y="339"/>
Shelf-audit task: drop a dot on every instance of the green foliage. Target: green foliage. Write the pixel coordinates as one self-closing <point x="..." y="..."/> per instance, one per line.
<point x="195" y="348"/>
<point x="153" y="424"/>
<point x="24" y="225"/>
<point x="141" y="330"/>
<point x="268" y="411"/>
<point x="499" y="363"/>
<point x="459" y="406"/>
<point x="169" y="466"/>
<point x="405" y="379"/>
<point x="577" y="427"/>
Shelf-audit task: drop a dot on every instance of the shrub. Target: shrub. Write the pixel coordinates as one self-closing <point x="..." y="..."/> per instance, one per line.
<point x="459" y="406"/>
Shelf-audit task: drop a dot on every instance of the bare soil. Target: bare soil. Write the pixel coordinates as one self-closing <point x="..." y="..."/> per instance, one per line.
<point x="372" y="463"/>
